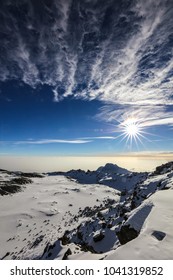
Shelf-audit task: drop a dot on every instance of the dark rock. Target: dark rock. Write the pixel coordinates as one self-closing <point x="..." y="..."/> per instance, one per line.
<point x="127" y="234"/>
<point x="65" y="239"/>
<point x="7" y="188"/>
<point x="79" y="233"/>
<point x="21" y="181"/>
<point x="123" y="210"/>
<point x="103" y="225"/>
<point x="32" y="175"/>
<point x="123" y="193"/>
<point x="14" y="185"/>
<point x="37" y="241"/>
<point x="67" y="253"/>
<point x="6" y="255"/>
<point x="98" y="237"/>
<point x="165" y="187"/>
<point x="47" y="249"/>
<point x="164" y="168"/>
<point x="85" y="247"/>
<point x="110" y="225"/>
<point x="159" y="235"/>
<point x="100" y="215"/>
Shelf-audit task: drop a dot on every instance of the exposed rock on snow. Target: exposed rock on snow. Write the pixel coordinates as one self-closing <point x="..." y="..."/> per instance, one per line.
<point x="98" y="236"/>
<point x="13" y="185"/>
<point x="126" y="234"/>
<point x="155" y="238"/>
<point x="159" y="235"/>
<point x="164" y="168"/>
<point x="109" y="213"/>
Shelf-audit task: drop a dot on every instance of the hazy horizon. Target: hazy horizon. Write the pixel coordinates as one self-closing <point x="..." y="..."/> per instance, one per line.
<point x="49" y="163"/>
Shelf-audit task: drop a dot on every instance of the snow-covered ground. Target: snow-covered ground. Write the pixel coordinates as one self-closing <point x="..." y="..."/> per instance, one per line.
<point x="109" y="213"/>
<point x="156" y="238"/>
<point x="42" y="211"/>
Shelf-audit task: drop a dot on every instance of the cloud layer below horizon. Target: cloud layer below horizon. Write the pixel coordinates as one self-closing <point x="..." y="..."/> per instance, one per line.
<point x="119" y="52"/>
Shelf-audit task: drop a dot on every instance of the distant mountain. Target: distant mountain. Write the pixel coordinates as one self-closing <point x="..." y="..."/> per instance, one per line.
<point x="110" y="213"/>
<point x="111" y="168"/>
<point x="110" y="175"/>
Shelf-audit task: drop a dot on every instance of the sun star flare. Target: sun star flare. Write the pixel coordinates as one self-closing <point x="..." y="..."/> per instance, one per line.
<point x="131" y="130"/>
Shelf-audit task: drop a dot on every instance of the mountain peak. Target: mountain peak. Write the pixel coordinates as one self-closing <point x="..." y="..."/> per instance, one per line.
<point x="112" y="168"/>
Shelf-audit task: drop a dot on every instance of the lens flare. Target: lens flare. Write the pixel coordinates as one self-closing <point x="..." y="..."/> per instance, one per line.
<point x="131" y="130"/>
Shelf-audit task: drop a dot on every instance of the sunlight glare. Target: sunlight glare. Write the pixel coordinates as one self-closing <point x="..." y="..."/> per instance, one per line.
<point x="131" y="128"/>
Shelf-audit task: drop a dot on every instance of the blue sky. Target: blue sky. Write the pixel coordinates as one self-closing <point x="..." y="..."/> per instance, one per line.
<point x="86" y="77"/>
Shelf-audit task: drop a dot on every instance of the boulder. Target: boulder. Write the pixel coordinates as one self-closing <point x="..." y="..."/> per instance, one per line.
<point x="127" y="234"/>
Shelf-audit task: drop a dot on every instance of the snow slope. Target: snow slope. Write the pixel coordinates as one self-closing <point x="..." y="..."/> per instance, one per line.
<point x="156" y="238"/>
<point x="109" y="213"/>
<point x="43" y="211"/>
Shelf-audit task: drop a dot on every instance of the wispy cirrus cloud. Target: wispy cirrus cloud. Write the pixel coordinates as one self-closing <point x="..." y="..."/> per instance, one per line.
<point x="99" y="137"/>
<point x="83" y="140"/>
<point x="119" y="52"/>
<point x="147" y="116"/>
<point x="52" y="141"/>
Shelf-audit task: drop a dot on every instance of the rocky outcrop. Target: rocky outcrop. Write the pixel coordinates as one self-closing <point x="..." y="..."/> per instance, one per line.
<point x="98" y="237"/>
<point x="126" y="234"/>
<point x="14" y="185"/>
<point x="164" y="168"/>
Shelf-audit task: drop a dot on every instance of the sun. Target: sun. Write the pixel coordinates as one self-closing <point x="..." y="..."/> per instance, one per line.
<point x="131" y="130"/>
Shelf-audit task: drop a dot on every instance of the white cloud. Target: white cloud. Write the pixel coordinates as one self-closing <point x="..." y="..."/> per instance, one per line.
<point x="99" y="137"/>
<point x="52" y="141"/>
<point x="83" y="50"/>
<point x="146" y="116"/>
<point x="122" y="83"/>
<point x="83" y="140"/>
